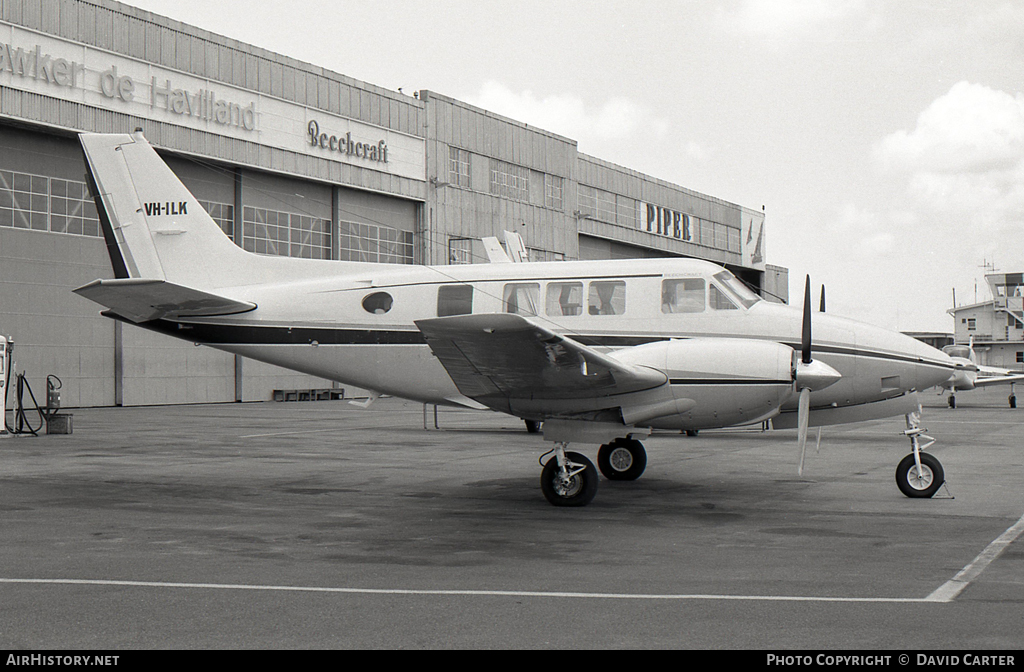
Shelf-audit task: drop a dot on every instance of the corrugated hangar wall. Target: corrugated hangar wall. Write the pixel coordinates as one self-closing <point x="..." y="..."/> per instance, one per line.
<point x="458" y="173"/>
<point x="99" y="361"/>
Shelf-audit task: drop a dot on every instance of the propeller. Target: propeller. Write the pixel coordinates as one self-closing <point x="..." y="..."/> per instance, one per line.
<point x="821" y="306"/>
<point x="810" y="375"/>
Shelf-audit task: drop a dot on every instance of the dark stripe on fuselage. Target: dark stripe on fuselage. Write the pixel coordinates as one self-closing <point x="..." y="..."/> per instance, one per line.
<point x="727" y="381"/>
<point x="240" y="334"/>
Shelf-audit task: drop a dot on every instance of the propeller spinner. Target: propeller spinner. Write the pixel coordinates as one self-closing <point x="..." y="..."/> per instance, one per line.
<point x="810" y="376"/>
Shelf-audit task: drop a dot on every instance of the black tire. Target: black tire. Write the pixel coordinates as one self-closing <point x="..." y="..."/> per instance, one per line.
<point x="580" y="488"/>
<point x="932" y="476"/>
<point x="952" y="401"/>
<point x="532" y="426"/>
<point x="622" y="460"/>
<point x="1013" y="400"/>
<point x="691" y="432"/>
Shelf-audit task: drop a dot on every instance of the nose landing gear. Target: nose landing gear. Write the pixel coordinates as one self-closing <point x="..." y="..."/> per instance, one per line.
<point x="919" y="474"/>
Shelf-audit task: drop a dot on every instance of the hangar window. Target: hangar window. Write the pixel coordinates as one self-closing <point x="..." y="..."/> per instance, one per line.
<point x="553" y="191"/>
<point x="564" y="298"/>
<point x="458" y="167"/>
<point x="372" y="243"/>
<point x="626" y="212"/>
<point x="684" y="295"/>
<point x="1020" y="357"/>
<point x="972" y="324"/>
<point x="378" y="303"/>
<point x="47" y="204"/>
<point x="586" y="200"/>
<point x="454" y="300"/>
<point x="607" y="298"/>
<point x="223" y="214"/>
<point x="285" y="234"/>
<point x="510" y="181"/>
<point x="521" y="298"/>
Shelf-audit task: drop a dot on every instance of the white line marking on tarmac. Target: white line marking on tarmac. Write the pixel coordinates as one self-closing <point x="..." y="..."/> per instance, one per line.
<point x="948" y="591"/>
<point x="473" y="593"/>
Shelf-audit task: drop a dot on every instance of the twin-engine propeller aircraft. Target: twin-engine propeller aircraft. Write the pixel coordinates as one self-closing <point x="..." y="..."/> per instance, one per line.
<point x="599" y="351"/>
<point x="969" y="375"/>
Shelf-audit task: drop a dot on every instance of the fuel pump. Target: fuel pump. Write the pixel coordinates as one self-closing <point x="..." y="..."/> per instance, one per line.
<point x="4" y="367"/>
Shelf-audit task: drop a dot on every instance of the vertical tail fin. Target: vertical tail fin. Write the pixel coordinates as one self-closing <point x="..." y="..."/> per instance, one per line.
<point x="154" y="227"/>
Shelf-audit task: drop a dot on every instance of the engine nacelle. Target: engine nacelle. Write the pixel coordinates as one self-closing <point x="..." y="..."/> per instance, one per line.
<point x="714" y="382"/>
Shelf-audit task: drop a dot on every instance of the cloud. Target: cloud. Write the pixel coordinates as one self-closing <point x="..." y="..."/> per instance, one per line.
<point x="971" y="129"/>
<point x="616" y="119"/>
<point x="964" y="162"/>
<point x="775" y="17"/>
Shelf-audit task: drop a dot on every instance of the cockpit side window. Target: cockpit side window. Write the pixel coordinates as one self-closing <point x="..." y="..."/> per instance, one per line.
<point x="564" y="298"/>
<point x="683" y="295"/>
<point x="719" y="300"/>
<point x="607" y="297"/>
<point x="454" y="300"/>
<point x="521" y="298"/>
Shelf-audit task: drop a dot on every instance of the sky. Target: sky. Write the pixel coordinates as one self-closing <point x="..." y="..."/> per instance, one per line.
<point x="885" y="140"/>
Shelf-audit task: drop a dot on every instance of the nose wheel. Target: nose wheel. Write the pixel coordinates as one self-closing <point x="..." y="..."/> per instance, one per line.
<point x="919" y="480"/>
<point x="919" y="474"/>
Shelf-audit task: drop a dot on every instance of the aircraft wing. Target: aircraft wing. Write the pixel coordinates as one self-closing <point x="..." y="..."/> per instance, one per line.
<point x="141" y="300"/>
<point x="498" y="358"/>
<point x="1002" y="377"/>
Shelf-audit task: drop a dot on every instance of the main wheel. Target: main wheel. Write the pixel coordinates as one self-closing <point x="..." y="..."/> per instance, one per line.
<point x="622" y="460"/>
<point x="532" y="426"/>
<point x="923" y="483"/>
<point x="576" y="490"/>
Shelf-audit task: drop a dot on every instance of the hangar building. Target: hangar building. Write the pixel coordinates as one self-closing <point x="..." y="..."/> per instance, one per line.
<point x="291" y="159"/>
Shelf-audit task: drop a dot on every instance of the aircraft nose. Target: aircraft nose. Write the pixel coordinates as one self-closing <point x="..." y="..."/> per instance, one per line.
<point x="934" y="366"/>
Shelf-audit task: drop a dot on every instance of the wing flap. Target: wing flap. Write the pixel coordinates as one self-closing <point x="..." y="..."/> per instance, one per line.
<point x="498" y="358"/>
<point x="142" y="300"/>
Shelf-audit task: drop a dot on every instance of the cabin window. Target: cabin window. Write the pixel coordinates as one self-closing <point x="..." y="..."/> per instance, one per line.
<point x="718" y="299"/>
<point x="607" y="298"/>
<point x="564" y="298"/>
<point x="684" y="295"/>
<point x="521" y="298"/>
<point x="454" y="300"/>
<point x="378" y="303"/>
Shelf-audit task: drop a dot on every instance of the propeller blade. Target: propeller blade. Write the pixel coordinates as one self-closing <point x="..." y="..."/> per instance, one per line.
<point x="805" y="341"/>
<point x="821" y="306"/>
<point x="802" y="418"/>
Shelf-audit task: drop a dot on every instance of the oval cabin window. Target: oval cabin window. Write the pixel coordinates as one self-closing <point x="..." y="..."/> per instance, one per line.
<point x="378" y="303"/>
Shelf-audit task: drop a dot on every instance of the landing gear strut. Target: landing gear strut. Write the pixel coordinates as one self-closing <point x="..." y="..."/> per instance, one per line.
<point x="622" y="460"/>
<point x="568" y="479"/>
<point x="919" y="474"/>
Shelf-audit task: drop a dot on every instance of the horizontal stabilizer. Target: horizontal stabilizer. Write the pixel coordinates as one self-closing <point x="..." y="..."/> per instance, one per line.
<point x="142" y="300"/>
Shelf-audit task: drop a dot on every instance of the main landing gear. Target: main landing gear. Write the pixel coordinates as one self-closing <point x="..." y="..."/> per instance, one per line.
<point x="622" y="460"/>
<point x="570" y="479"/>
<point x="919" y="474"/>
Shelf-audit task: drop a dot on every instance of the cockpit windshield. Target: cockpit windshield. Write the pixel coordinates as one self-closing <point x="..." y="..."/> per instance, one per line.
<point x="957" y="351"/>
<point x="737" y="288"/>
